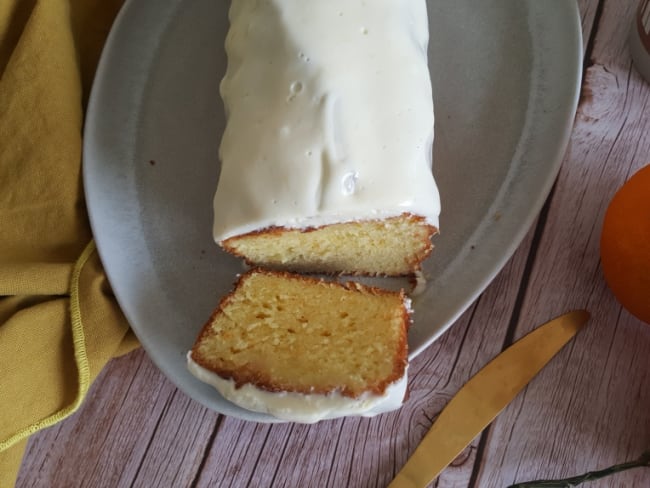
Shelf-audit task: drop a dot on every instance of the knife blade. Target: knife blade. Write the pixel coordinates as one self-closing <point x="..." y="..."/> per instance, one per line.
<point x="481" y="399"/>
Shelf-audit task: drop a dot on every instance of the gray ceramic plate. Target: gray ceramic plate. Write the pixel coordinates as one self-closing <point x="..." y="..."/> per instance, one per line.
<point x="506" y="78"/>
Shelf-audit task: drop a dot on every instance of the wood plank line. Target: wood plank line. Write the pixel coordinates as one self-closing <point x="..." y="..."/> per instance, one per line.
<point x="259" y="455"/>
<point x="151" y="437"/>
<point x="528" y="266"/>
<point x="336" y="449"/>
<point x="238" y="449"/>
<point x="471" y="313"/>
<point x="206" y="452"/>
<point x="282" y="454"/>
<point x="590" y="23"/>
<point x="181" y="436"/>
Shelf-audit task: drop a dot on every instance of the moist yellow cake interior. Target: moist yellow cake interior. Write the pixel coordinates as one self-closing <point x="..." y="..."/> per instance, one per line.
<point x="393" y="246"/>
<point x="282" y="332"/>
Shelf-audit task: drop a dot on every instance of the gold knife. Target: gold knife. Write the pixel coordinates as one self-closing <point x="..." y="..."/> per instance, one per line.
<point x="481" y="399"/>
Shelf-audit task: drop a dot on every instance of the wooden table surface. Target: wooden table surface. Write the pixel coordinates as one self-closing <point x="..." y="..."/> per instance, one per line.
<point x="589" y="408"/>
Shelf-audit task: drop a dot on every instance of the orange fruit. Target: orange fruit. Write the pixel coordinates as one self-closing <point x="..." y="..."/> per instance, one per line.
<point x="625" y="245"/>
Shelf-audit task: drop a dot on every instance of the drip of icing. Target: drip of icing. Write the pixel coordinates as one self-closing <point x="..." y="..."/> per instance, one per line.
<point x="298" y="407"/>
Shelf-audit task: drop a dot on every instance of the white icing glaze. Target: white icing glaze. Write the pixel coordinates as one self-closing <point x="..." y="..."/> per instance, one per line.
<point x="298" y="407"/>
<point x="329" y="115"/>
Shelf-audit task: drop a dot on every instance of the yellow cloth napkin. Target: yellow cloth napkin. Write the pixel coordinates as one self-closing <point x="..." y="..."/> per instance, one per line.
<point x="59" y="323"/>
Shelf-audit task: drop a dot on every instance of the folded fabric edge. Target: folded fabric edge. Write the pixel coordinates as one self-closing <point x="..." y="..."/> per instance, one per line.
<point x="81" y="358"/>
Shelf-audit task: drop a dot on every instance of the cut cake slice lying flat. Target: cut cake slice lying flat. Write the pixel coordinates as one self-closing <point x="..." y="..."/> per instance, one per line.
<point x="304" y="349"/>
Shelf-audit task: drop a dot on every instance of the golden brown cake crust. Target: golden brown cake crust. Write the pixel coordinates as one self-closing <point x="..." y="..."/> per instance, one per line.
<point x="242" y="376"/>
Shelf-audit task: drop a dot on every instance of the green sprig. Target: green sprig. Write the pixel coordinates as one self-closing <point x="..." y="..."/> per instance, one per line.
<point x="641" y="462"/>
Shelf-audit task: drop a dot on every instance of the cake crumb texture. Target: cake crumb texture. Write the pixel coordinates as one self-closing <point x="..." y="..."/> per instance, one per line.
<point x="284" y="332"/>
<point x="391" y="246"/>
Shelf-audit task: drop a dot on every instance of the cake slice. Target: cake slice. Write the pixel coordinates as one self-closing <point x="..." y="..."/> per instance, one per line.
<point x="304" y="349"/>
<point x="394" y="246"/>
<point x="326" y="158"/>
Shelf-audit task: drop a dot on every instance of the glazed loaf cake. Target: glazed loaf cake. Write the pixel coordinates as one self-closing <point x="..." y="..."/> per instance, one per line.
<point x="326" y="154"/>
<point x="303" y="349"/>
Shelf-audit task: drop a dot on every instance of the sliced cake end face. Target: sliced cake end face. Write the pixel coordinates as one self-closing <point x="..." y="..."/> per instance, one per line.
<point x="280" y="332"/>
<point x="386" y="247"/>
